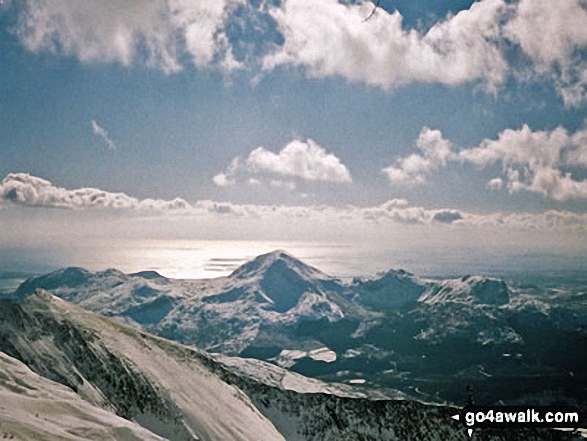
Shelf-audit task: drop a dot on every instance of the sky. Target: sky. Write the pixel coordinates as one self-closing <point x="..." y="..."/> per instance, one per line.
<point x="415" y="123"/>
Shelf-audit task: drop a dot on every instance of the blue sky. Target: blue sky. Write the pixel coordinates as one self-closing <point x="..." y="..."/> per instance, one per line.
<point x="443" y="115"/>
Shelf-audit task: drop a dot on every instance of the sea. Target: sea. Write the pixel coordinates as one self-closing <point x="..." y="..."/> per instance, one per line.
<point x="200" y="259"/>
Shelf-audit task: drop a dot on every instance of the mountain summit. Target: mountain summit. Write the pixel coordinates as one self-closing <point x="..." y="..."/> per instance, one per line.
<point x="275" y="263"/>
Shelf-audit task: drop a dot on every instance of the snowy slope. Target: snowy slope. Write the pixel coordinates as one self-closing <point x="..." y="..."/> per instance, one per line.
<point x="158" y="384"/>
<point x="468" y="289"/>
<point x="33" y="407"/>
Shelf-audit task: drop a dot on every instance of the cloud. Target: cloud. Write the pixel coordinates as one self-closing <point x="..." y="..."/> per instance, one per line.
<point x="553" y="38"/>
<point x="277" y="183"/>
<point x="413" y="169"/>
<point x="226" y="178"/>
<point x="329" y="38"/>
<point x="326" y="38"/>
<point x="223" y="180"/>
<point x="24" y="190"/>
<point x="31" y="191"/>
<point x="495" y="184"/>
<point x="299" y="159"/>
<point x="535" y="161"/>
<point x="447" y="216"/>
<point x="156" y="32"/>
<point x="302" y="159"/>
<point x="102" y="133"/>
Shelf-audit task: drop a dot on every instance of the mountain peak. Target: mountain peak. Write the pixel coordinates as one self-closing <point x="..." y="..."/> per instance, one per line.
<point x="275" y="261"/>
<point x="281" y="277"/>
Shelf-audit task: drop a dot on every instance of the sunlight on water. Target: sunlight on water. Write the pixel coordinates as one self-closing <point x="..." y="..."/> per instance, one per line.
<point x="197" y="259"/>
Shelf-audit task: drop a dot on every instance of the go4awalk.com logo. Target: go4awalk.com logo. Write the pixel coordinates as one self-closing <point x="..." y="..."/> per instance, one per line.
<point x="563" y="417"/>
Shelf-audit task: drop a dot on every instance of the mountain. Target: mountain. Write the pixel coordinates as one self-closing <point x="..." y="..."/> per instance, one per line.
<point x="267" y="297"/>
<point x="391" y="289"/>
<point x="138" y="386"/>
<point x="427" y="338"/>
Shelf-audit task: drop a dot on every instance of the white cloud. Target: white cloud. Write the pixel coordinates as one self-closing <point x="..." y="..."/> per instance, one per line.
<point x="223" y="180"/>
<point x="535" y="161"/>
<point x="549" y="34"/>
<point x="226" y="178"/>
<point x="102" y="133"/>
<point x="156" y="31"/>
<point x="325" y="38"/>
<point x="304" y="160"/>
<point x="495" y="184"/>
<point x="202" y="26"/>
<point x="413" y="169"/>
<point x="30" y="191"/>
<point x="277" y="183"/>
<point x="553" y="35"/>
<point x="328" y="38"/>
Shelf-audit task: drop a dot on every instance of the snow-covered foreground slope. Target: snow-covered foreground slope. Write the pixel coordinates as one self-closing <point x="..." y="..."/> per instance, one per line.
<point x="160" y="385"/>
<point x="33" y="407"/>
<point x="177" y="392"/>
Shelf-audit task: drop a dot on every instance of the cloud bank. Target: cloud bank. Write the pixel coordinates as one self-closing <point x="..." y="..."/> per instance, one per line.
<point x="24" y="190"/>
<point x="31" y="191"/>
<point x="328" y="38"/>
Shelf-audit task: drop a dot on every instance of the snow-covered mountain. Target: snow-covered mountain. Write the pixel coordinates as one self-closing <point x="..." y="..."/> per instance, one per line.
<point x="164" y="387"/>
<point x="269" y="293"/>
<point x="394" y="330"/>
<point x="68" y="374"/>
<point x="391" y="289"/>
<point x="117" y="382"/>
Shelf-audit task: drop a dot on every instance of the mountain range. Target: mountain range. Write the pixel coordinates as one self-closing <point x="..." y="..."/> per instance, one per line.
<point x="396" y="339"/>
